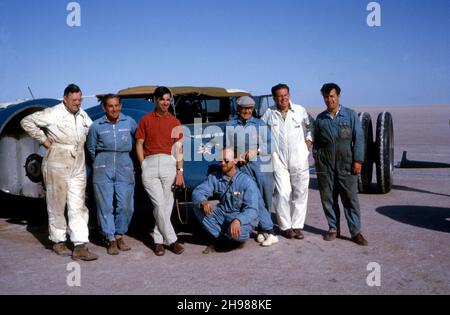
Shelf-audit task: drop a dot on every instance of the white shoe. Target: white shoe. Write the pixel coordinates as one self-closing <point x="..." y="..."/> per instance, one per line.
<point x="260" y="238"/>
<point x="270" y="240"/>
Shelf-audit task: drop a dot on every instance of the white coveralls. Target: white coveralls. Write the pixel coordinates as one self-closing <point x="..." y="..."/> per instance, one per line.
<point x="290" y="164"/>
<point x="63" y="169"/>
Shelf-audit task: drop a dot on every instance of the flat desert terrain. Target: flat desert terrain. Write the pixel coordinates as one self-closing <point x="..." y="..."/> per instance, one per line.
<point x="408" y="230"/>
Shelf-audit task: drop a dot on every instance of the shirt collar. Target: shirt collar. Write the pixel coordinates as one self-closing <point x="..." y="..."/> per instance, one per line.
<point x="290" y="108"/>
<point x="155" y="114"/>
<point x="250" y="120"/>
<point x="105" y="119"/>
<point x="68" y="112"/>
<point x="225" y="177"/>
<point x="337" y="113"/>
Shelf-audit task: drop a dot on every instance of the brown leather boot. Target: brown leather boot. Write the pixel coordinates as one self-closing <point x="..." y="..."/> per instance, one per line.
<point x="359" y="239"/>
<point x="176" y="248"/>
<point x="122" y="245"/>
<point x="81" y="252"/>
<point x="61" y="249"/>
<point x="112" y="248"/>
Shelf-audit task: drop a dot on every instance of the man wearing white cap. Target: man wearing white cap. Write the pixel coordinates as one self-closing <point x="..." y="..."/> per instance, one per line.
<point x="290" y="160"/>
<point x="252" y="139"/>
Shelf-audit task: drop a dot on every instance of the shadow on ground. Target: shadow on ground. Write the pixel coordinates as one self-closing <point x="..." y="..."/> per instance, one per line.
<point x="432" y="218"/>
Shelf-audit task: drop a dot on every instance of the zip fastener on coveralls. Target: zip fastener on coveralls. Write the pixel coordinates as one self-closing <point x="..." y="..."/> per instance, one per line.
<point x="115" y="150"/>
<point x="73" y="152"/>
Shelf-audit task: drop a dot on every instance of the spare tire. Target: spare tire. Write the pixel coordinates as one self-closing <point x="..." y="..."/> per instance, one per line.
<point x="384" y="152"/>
<point x="365" y="177"/>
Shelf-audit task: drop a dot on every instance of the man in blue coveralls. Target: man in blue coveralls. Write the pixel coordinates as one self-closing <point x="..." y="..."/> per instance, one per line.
<point x="338" y="153"/>
<point x="253" y="140"/>
<point x="236" y="214"/>
<point x="109" y="143"/>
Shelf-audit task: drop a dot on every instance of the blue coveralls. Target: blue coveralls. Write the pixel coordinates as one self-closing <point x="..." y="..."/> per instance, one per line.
<point x="238" y="200"/>
<point x="255" y="134"/>
<point x="337" y="144"/>
<point x="109" y="147"/>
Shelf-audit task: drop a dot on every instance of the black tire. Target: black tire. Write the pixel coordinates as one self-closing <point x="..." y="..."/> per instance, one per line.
<point x="384" y="152"/>
<point x="365" y="178"/>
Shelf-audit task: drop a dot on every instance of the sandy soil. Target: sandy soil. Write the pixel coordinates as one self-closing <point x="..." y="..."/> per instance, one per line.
<point x="408" y="231"/>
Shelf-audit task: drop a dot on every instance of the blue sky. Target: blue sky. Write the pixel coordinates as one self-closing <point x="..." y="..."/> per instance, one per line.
<point x="247" y="44"/>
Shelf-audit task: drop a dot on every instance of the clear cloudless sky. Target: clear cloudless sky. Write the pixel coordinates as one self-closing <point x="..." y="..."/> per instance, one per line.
<point x="246" y="44"/>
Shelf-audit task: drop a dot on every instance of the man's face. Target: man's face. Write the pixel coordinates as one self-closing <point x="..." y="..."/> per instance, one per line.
<point x="228" y="161"/>
<point x="281" y="98"/>
<point x="73" y="102"/>
<point x="163" y="103"/>
<point x="112" y="109"/>
<point x="332" y="100"/>
<point x="245" y="112"/>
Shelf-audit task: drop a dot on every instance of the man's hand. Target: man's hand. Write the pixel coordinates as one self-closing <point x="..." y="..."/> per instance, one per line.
<point x="235" y="229"/>
<point x="356" y="168"/>
<point x="179" y="179"/>
<point x="207" y="208"/>
<point x="47" y="144"/>
<point x="309" y="144"/>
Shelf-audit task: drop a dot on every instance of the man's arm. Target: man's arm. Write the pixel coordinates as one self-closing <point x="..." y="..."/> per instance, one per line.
<point x="91" y="142"/>
<point x="264" y="139"/>
<point x="250" y="201"/>
<point x="202" y="192"/>
<point x="358" y="145"/>
<point x="179" y="179"/>
<point x="33" y="125"/>
<point x="140" y="150"/>
<point x="307" y="122"/>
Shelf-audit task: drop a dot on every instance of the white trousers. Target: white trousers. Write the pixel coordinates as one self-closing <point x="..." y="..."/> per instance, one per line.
<point x="64" y="173"/>
<point x="158" y="175"/>
<point x="291" y="195"/>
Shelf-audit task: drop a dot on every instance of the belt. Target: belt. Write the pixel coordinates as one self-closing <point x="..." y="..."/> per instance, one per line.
<point x="73" y="148"/>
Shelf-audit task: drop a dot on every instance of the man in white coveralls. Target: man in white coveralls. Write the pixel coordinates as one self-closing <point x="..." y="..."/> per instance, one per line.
<point x="62" y="130"/>
<point x="290" y="160"/>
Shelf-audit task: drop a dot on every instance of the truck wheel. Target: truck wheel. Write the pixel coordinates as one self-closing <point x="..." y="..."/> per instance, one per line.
<point x="384" y="152"/>
<point x="365" y="177"/>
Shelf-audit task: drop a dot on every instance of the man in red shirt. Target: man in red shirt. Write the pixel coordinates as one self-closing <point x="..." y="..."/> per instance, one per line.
<point x="159" y="151"/>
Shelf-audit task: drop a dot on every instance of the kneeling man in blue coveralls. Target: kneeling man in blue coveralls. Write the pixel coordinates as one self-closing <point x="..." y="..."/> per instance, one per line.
<point x="235" y="215"/>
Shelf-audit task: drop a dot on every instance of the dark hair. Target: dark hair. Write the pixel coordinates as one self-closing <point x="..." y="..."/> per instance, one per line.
<point x="108" y="97"/>
<point x="279" y="86"/>
<point x="328" y="87"/>
<point x="160" y="91"/>
<point x="72" y="88"/>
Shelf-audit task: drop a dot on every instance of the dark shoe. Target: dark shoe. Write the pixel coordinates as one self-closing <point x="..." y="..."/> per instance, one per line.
<point x="298" y="234"/>
<point x="61" y="249"/>
<point x="159" y="250"/>
<point x="122" y="245"/>
<point x="176" y="248"/>
<point x="359" y="239"/>
<point x="330" y="235"/>
<point x="289" y="233"/>
<point x="112" y="248"/>
<point x="209" y="249"/>
<point x="81" y="252"/>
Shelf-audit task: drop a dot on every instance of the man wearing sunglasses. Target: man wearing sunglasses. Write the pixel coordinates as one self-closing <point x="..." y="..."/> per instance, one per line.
<point x="235" y="215"/>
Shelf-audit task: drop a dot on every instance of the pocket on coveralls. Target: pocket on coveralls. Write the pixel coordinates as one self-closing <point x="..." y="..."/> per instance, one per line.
<point x="345" y="131"/>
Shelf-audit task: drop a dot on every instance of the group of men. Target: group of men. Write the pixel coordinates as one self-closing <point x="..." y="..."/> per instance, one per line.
<point x="263" y="158"/>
